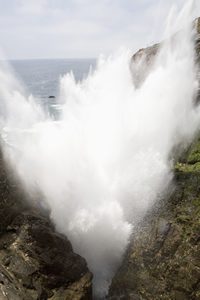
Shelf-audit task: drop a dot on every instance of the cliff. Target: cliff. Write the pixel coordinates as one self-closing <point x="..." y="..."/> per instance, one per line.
<point x="35" y="261"/>
<point x="143" y="60"/>
<point x="163" y="261"/>
<point x="163" y="258"/>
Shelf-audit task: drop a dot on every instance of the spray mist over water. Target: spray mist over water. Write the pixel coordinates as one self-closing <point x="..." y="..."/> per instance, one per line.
<point x="105" y="162"/>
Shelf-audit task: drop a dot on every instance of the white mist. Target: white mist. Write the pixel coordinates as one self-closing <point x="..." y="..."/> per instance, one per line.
<point x="105" y="162"/>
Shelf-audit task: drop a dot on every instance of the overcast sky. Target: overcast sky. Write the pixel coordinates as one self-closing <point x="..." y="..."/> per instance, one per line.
<point x="79" y="28"/>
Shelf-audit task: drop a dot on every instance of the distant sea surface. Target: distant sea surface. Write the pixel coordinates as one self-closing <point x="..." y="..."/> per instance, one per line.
<point x="41" y="76"/>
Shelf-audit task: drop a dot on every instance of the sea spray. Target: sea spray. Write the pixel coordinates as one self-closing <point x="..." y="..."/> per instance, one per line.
<point x="105" y="161"/>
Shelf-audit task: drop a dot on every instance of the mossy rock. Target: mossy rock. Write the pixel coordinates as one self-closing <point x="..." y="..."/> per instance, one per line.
<point x="194" y="154"/>
<point x="163" y="259"/>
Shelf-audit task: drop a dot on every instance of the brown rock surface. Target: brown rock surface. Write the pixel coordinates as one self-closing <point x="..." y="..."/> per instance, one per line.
<point x="35" y="261"/>
<point x="163" y="258"/>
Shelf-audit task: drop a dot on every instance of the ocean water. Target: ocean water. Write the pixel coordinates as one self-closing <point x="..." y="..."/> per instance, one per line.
<point x="41" y="76"/>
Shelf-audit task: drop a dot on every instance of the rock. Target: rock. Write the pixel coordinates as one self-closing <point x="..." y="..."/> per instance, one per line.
<point x="51" y="97"/>
<point x="76" y="291"/>
<point x="163" y="258"/>
<point x="143" y="60"/>
<point x="35" y="261"/>
<point x="142" y="63"/>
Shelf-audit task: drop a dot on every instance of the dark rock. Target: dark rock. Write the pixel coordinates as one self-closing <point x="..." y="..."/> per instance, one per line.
<point x="51" y="97"/>
<point x="163" y="258"/>
<point x="163" y="261"/>
<point x="35" y="261"/>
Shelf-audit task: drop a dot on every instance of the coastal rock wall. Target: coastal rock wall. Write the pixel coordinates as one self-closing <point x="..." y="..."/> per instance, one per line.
<point x="143" y="60"/>
<point x="35" y="261"/>
<point x="163" y="261"/>
<point x="163" y="258"/>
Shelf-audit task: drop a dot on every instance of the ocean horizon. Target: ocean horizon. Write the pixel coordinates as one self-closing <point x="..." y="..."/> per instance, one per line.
<point x="41" y="76"/>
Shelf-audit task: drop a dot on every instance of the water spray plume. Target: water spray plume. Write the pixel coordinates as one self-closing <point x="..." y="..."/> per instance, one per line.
<point x="105" y="161"/>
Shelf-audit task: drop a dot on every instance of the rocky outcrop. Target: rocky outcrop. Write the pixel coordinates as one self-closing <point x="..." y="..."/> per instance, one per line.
<point x="35" y="261"/>
<point x="142" y="63"/>
<point x="163" y="261"/>
<point x="163" y="258"/>
<point x="143" y="60"/>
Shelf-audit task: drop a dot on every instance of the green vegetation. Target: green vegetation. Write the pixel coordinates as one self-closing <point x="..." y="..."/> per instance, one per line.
<point x="163" y="261"/>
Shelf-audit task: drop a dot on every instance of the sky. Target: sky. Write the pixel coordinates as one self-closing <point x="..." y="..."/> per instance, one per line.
<point x="79" y="28"/>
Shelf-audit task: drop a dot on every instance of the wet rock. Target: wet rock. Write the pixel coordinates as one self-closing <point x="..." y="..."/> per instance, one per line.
<point x="163" y="261"/>
<point x="39" y="262"/>
<point x="35" y="261"/>
<point x="163" y="258"/>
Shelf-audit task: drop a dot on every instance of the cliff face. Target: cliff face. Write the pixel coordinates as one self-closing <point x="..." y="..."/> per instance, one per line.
<point x="35" y="261"/>
<point x="143" y="60"/>
<point x="163" y="259"/>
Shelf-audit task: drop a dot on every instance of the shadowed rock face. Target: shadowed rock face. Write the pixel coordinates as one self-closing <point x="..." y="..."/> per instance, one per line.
<point x="163" y="259"/>
<point x="35" y="261"/>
